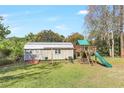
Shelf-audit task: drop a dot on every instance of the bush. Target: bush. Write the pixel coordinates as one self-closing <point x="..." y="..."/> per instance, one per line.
<point x="70" y="59"/>
<point x="5" y="61"/>
<point x="5" y="52"/>
<point x="83" y="55"/>
<point x="102" y="47"/>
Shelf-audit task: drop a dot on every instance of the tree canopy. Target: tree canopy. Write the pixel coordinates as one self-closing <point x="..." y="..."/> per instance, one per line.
<point x="104" y="24"/>
<point x="48" y="36"/>
<point x="4" y="30"/>
<point x="74" y="37"/>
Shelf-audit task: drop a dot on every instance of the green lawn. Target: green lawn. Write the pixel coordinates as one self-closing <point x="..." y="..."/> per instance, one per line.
<point x="63" y="75"/>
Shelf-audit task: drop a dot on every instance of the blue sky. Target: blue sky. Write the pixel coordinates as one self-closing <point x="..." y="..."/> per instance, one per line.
<point x="61" y="19"/>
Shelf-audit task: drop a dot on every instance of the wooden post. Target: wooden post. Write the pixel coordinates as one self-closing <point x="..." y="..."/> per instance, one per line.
<point x="52" y="55"/>
<point x="94" y="52"/>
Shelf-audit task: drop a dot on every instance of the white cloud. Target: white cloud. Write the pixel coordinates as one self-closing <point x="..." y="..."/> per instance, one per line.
<point x="82" y="12"/>
<point x="18" y="14"/>
<point x="61" y="27"/>
<point x="53" y="18"/>
<point x="4" y="15"/>
<point x="15" y="28"/>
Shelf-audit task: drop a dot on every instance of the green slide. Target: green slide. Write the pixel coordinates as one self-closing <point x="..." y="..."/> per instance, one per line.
<point x="102" y="60"/>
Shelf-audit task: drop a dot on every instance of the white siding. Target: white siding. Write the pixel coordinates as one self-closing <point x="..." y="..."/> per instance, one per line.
<point x="63" y="55"/>
<point x="41" y="50"/>
<point x="41" y="54"/>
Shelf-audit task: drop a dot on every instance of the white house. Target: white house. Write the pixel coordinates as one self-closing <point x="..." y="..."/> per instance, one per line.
<point x="48" y="50"/>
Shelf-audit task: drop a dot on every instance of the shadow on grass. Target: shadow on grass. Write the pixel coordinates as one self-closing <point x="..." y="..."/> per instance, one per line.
<point x="41" y="70"/>
<point x="101" y="64"/>
<point x="14" y="67"/>
<point x="25" y="66"/>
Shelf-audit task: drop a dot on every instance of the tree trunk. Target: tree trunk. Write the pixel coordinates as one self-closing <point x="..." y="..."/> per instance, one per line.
<point x="122" y="45"/>
<point x="112" y="33"/>
<point x="112" y="45"/>
<point x="121" y="30"/>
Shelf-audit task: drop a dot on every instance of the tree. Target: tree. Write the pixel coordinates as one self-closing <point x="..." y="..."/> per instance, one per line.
<point x="48" y="36"/>
<point x="97" y="21"/>
<point x="4" y="31"/>
<point x="103" y="23"/>
<point x="30" y="37"/>
<point x="16" y="45"/>
<point x="74" y="37"/>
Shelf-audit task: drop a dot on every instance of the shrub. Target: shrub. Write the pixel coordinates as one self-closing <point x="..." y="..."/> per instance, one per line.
<point x="5" y="61"/>
<point x="5" y="52"/>
<point x="70" y="59"/>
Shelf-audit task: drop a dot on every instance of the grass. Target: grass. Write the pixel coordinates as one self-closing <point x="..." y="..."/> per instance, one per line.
<point x="63" y="75"/>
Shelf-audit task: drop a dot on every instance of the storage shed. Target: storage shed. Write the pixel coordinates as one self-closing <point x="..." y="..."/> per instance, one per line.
<point x="48" y="51"/>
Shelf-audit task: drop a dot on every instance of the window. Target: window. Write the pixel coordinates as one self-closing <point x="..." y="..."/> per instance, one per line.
<point x="57" y="51"/>
<point x="28" y="51"/>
